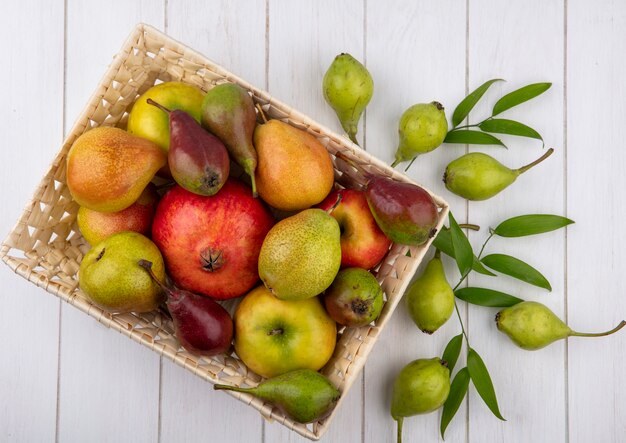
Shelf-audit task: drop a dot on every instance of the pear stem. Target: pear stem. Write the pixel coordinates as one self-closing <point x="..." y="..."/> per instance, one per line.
<point x="158" y="105"/>
<point x="599" y="334"/>
<point x="332" y="208"/>
<point x="399" y="421"/>
<point x="536" y="162"/>
<point x="471" y="226"/>
<point x="261" y="112"/>
<point x="395" y="162"/>
<point x="410" y="164"/>
<point x="147" y="265"/>
<point x="352" y="136"/>
<point x="229" y="388"/>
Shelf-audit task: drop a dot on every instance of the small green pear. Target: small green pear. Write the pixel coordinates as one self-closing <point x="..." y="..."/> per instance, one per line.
<point x="533" y="326"/>
<point x="421" y="387"/>
<point x="301" y="255"/>
<point x="422" y="128"/>
<point x="304" y="394"/>
<point x="348" y="88"/>
<point x="430" y="299"/>
<point x="478" y="176"/>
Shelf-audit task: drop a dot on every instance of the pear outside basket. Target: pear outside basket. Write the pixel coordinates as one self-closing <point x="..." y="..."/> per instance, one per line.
<point x="46" y="247"/>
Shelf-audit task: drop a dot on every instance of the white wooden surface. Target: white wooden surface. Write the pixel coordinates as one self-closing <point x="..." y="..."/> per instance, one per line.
<point x="64" y="377"/>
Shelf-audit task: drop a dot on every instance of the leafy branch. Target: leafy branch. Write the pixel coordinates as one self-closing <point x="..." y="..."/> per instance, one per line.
<point x="454" y="242"/>
<point x="467" y="135"/>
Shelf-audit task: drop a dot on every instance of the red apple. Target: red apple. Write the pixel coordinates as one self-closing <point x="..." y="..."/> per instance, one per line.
<point x="96" y="226"/>
<point x="363" y="244"/>
<point x="211" y="244"/>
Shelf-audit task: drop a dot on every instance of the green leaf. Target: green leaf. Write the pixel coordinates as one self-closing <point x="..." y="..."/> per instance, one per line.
<point x="530" y="225"/>
<point x="452" y="351"/>
<point x="486" y="297"/>
<point x="482" y="381"/>
<point x="458" y="390"/>
<point x="510" y="127"/>
<point x="465" y="136"/>
<point x="519" y="96"/>
<point x="443" y="242"/>
<point x="463" y="253"/>
<point x="516" y="268"/>
<point x="468" y="103"/>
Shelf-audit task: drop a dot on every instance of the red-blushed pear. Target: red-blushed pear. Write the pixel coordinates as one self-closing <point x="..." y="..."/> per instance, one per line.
<point x="363" y="244"/>
<point x="96" y="226"/>
<point x="108" y="168"/>
<point x="274" y="336"/>
<point x="211" y="244"/>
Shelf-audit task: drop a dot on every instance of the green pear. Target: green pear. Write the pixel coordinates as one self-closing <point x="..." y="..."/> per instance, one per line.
<point x="421" y="387"/>
<point x="304" y="394"/>
<point x="430" y="299"/>
<point x="301" y="255"/>
<point x="110" y="278"/>
<point x="348" y="88"/>
<point x="478" y="176"/>
<point x="533" y="326"/>
<point x="422" y="128"/>
<point x="228" y="112"/>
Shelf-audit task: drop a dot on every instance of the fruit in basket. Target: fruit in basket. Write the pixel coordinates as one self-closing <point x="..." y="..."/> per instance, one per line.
<point x="422" y="128"/>
<point x="354" y="298"/>
<point x="405" y="212"/>
<point x="148" y="122"/>
<point x="478" y="176"/>
<point x="274" y="336"/>
<point x="110" y="278"/>
<point x="201" y="325"/>
<point x="533" y="326"/>
<point x="96" y="226"/>
<point x="348" y="88"/>
<point x="198" y="160"/>
<point x="108" y="168"/>
<point x="430" y="299"/>
<point x="211" y="244"/>
<point x="295" y="170"/>
<point x="421" y="387"/>
<point x="301" y="255"/>
<point x="363" y="244"/>
<point x="303" y="395"/>
<point x="228" y="112"/>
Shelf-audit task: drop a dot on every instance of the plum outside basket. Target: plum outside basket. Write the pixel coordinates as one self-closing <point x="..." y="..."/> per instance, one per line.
<point x="46" y="247"/>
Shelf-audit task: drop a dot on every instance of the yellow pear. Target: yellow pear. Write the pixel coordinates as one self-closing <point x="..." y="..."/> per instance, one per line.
<point x="108" y="168"/>
<point x="294" y="169"/>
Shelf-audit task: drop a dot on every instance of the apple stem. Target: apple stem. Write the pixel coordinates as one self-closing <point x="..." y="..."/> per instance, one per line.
<point x="330" y="210"/>
<point x="261" y="113"/>
<point x="158" y="105"/>
<point x="147" y="265"/>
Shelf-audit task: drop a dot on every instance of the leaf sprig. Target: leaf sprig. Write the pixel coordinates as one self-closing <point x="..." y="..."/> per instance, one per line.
<point x="491" y="125"/>
<point x="454" y="243"/>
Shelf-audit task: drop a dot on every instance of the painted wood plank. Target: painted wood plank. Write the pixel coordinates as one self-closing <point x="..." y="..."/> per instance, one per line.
<point x="414" y="56"/>
<point x="304" y="39"/>
<point x="231" y="34"/>
<point x="109" y="386"/>
<point x="522" y="43"/>
<point x="33" y="36"/>
<point x="596" y="94"/>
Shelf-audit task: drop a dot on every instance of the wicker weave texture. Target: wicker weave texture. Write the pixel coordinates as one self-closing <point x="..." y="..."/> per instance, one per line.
<point x="46" y="248"/>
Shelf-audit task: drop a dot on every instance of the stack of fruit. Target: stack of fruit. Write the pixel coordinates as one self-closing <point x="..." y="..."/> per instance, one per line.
<point x="216" y="236"/>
